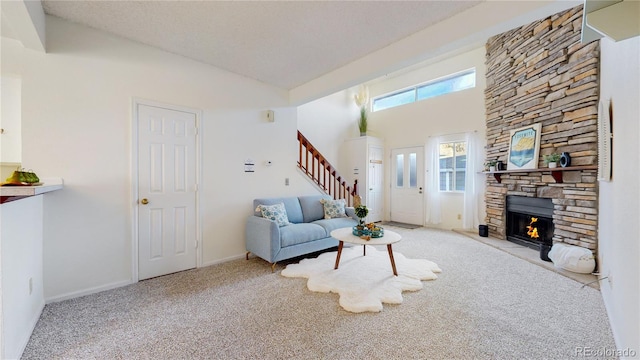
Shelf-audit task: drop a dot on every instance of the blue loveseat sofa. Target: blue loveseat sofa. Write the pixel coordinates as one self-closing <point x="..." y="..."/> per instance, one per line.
<point x="307" y="232"/>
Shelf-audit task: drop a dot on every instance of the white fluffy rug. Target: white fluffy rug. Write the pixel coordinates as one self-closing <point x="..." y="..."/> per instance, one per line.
<point x="364" y="282"/>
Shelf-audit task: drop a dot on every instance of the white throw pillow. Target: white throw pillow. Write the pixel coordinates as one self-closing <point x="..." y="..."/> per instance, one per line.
<point x="334" y="208"/>
<point x="276" y="213"/>
<point x="572" y="258"/>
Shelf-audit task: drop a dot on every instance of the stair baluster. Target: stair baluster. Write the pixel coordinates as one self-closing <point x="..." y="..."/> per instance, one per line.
<point x="323" y="174"/>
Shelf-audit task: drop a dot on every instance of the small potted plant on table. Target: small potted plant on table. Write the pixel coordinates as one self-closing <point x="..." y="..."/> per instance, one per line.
<point x="361" y="213"/>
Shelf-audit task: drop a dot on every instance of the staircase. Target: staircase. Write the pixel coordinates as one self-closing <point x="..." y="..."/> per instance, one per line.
<point x="322" y="173"/>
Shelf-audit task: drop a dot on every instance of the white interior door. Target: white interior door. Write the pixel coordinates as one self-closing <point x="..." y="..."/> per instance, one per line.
<point x="167" y="191"/>
<point x="375" y="181"/>
<point x="407" y="184"/>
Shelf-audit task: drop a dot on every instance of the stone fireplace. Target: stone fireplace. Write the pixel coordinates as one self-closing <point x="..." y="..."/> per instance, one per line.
<point x="541" y="73"/>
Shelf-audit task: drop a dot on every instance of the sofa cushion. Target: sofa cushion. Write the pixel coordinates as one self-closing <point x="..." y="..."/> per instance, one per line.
<point x="275" y="213"/>
<point x="312" y="208"/>
<point x="301" y="233"/>
<point x="333" y="208"/>
<point x="291" y="204"/>
<point x="337" y="223"/>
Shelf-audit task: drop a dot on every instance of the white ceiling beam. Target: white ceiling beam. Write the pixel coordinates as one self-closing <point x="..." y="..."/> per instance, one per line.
<point x="27" y="21"/>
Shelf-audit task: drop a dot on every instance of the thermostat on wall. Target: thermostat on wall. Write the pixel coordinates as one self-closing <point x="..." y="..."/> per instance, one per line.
<point x="249" y="165"/>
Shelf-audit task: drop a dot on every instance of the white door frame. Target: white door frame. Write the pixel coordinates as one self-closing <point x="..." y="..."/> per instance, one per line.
<point x="135" y="179"/>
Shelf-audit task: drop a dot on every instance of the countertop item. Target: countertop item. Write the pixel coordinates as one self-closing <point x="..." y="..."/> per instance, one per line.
<point x="9" y="192"/>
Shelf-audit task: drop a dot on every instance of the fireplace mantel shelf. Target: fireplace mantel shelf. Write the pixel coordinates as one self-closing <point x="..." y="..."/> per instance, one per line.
<point x="555" y="172"/>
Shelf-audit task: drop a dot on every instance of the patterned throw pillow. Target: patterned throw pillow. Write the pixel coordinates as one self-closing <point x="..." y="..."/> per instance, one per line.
<point x="333" y="208"/>
<point x="275" y="213"/>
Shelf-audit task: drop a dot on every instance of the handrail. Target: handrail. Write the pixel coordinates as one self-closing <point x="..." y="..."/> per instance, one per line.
<point x="323" y="174"/>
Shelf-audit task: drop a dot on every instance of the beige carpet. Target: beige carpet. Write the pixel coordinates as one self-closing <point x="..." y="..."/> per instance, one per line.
<point x="486" y="304"/>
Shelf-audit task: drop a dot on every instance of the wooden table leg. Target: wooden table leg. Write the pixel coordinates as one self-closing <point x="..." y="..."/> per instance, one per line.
<point x="393" y="262"/>
<point x="339" y="253"/>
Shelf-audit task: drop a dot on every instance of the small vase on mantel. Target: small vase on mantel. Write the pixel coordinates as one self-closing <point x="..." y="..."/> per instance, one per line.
<point x="565" y="159"/>
<point x="552" y="165"/>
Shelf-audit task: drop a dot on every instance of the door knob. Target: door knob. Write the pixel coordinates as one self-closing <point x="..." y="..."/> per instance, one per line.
<point x="420" y="192"/>
<point x="144" y="201"/>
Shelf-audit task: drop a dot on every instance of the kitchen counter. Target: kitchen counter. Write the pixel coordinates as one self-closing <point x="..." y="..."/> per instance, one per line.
<point x="22" y="262"/>
<point x="12" y="193"/>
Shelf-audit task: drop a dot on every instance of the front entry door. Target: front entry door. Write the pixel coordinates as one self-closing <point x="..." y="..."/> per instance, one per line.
<point x="167" y="191"/>
<point x="407" y="183"/>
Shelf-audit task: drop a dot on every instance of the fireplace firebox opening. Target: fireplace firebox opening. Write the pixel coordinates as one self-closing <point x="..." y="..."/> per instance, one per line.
<point x="529" y="221"/>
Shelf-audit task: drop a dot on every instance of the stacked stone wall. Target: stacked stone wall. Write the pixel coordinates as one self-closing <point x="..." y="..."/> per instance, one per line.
<point x="542" y="73"/>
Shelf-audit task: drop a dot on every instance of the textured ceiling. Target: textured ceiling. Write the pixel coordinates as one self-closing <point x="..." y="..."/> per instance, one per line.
<point x="283" y="43"/>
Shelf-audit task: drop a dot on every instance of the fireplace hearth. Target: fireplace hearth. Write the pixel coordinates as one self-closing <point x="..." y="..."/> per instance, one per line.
<point x="529" y="221"/>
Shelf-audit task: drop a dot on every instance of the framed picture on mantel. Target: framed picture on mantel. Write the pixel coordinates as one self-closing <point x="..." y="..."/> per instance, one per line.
<point x="524" y="147"/>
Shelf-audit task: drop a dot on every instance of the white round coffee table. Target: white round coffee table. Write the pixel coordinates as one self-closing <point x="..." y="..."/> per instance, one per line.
<point x="345" y="235"/>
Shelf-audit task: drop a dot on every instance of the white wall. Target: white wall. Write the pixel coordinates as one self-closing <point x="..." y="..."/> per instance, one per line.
<point x="231" y="136"/>
<point x="619" y="209"/>
<point x="10" y="141"/>
<point x="327" y="122"/>
<point x="76" y="124"/>
<point x="21" y="235"/>
<point x="11" y="138"/>
<point x="413" y="124"/>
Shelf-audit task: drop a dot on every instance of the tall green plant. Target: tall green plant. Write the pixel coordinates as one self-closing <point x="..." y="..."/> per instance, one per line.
<point x="362" y="122"/>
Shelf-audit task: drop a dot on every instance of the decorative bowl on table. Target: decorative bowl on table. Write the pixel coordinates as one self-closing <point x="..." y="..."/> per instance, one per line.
<point x="359" y="231"/>
<point x="377" y="232"/>
<point x="368" y="230"/>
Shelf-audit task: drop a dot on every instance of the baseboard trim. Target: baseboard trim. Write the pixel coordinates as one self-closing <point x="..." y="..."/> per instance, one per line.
<point x="220" y="261"/>
<point x="97" y="289"/>
<point x="32" y="325"/>
<point x="93" y="290"/>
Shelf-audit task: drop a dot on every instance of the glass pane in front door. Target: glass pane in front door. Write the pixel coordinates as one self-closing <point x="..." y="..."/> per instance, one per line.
<point x="400" y="170"/>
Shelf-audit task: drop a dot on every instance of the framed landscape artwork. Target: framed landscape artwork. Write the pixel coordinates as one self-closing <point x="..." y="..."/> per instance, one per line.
<point x="524" y="147"/>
